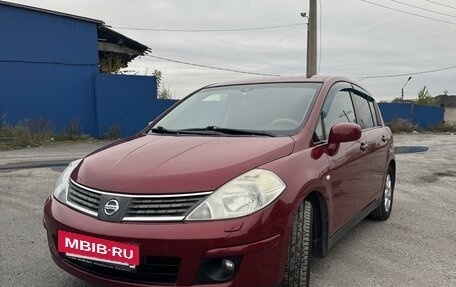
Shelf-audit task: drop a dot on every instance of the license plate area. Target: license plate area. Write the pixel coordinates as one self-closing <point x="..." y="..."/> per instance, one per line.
<point x="88" y="261"/>
<point x="97" y="251"/>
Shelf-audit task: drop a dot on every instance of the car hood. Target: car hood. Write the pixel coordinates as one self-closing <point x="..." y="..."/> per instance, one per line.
<point x="155" y="164"/>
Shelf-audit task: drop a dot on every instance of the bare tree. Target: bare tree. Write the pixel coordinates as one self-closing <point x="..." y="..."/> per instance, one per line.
<point x="164" y="93"/>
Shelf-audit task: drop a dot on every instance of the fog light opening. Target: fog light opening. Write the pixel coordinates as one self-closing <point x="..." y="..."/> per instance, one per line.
<point x="228" y="265"/>
<point x="218" y="269"/>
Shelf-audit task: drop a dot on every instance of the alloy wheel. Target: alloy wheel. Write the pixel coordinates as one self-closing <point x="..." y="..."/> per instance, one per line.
<point x="387" y="198"/>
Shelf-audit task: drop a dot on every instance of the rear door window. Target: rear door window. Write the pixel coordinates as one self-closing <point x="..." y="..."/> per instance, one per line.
<point x="366" y="116"/>
<point x="374" y="112"/>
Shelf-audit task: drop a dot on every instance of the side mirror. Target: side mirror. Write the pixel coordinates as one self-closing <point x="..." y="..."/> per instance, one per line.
<point x="343" y="132"/>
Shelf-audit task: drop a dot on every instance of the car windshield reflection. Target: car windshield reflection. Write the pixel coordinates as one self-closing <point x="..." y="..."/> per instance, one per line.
<point x="260" y="109"/>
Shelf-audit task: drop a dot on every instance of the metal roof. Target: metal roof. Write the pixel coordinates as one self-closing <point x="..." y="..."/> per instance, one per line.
<point x="99" y="22"/>
<point x="107" y="35"/>
<point x="108" y="39"/>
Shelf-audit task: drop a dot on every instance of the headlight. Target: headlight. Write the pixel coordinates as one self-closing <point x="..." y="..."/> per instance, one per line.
<point x="61" y="187"/>
<point x="241" y="196"/>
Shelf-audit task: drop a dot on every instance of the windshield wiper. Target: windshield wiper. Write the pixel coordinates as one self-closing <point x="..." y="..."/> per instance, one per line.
<point x="211" y="130"/>
<point x="162" y="130"/>
<point x="229" y="131"/>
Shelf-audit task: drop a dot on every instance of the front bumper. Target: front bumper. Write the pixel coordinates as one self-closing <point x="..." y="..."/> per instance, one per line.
<point x="259" y="240"/>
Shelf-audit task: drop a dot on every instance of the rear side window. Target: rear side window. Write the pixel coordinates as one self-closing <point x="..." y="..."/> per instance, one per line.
<point x="374" y="112"/>
<point x="366" y="116"/>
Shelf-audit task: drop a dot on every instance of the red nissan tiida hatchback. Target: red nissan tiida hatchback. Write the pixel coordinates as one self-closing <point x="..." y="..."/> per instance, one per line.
<point x="238" y="184"/>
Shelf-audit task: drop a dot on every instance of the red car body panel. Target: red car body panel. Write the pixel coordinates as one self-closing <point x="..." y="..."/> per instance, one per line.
<point x="259" y="246"/>
<point x="346" y="182"/>
<point x="156" y="164"/>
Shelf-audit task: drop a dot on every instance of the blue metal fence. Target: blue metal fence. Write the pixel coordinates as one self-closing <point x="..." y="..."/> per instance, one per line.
<point x="129" y="102"/>
<point x="421" y="115"/>
<point x="47" y="68"/>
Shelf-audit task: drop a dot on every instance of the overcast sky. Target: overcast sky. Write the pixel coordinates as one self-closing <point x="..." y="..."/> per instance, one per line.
<point x="358" y="39"/>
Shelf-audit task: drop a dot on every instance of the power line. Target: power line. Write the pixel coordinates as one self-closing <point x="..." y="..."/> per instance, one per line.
<point x="406" y="74"/>
<point x="209" y="30"/>
<point x="409" y="13"/>
<point x="210" y="67"/>
<point x="428" y="10"/>
<point x="452" y="7"/>
<point x="276" y="75"/>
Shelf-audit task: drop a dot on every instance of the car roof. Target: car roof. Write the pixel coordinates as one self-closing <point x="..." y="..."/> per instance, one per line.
<point x="283" y="79"/>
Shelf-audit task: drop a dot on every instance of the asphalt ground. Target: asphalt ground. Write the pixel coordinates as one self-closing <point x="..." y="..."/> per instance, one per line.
<point x="415" y="247"/>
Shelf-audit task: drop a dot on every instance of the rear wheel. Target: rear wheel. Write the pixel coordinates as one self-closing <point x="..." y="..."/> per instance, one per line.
<point x="297" y="265"/>
<point x="384" y="210"/>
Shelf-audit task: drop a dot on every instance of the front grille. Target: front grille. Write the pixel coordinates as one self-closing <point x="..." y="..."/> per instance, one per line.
<point x="83" y="198"/>
<point x="154" y="270"/>
<point x="174" y="206"/>
<point x="137" y="207"/>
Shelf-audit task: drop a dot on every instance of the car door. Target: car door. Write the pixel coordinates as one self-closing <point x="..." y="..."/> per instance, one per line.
<point x="349" y="166"/>
<point x="374" y="139"/>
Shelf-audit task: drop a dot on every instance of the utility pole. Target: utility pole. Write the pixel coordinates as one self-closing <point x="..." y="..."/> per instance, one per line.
<point x="312" y="39"/>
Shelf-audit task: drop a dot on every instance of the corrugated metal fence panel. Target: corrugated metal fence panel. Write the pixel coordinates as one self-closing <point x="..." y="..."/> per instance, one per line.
<point x="32" y="36"/>
<point x="423" y="116"/>
<point x="426" y="116"/>
<point x="392" y="111"/>
<point x="55" y="93"/>
<point x="47" y="68"/>
<point x="127" y="101"/>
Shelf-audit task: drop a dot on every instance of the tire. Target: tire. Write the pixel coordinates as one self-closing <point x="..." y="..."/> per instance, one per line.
<point x="297" y="264"/>
<point x="384" y="210"/>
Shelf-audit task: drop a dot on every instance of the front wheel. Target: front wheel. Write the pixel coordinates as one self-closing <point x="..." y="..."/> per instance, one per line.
<point x="384" y="210"/>
<point x="297" y="265"/>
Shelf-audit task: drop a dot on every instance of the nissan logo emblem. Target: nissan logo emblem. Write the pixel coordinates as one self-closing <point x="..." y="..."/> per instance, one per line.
<point x="111" y="207"/>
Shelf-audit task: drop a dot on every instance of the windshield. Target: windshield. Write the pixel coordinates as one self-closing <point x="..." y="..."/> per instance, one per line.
<point x="278" y="109"/>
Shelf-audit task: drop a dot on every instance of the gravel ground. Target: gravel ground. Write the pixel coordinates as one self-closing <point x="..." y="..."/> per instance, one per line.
<point x="415" y="247"/>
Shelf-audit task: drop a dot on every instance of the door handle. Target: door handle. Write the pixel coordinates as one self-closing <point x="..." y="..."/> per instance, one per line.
<point x="363" y="146"/>
<point x="384" y="139"/>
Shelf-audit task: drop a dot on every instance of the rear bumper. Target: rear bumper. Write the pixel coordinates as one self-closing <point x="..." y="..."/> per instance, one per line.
<point x="259" y="240"/>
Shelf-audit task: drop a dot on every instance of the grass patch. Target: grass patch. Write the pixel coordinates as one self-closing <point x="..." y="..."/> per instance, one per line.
<point x="443" y="128"/>
<point x="30" y="133"/>
<point x="114" y="132"/>
<point x="404" y="126"/>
